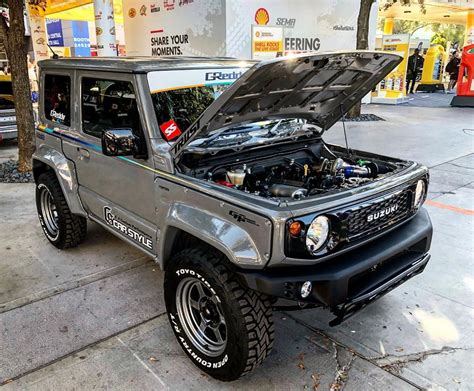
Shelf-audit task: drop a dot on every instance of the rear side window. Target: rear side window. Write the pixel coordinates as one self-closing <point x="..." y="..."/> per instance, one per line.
<point x="108" y="104"/>
<point x="57" y="98"/>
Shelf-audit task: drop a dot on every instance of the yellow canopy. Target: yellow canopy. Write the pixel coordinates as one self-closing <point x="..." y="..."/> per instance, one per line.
<point x="76" y="10"/>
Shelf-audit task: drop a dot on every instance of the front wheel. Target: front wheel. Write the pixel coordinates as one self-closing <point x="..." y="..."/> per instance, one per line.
<point x="225" y="328"/>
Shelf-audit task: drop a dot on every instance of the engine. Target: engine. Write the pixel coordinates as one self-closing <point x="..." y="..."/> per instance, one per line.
<point x="298" y="177"/>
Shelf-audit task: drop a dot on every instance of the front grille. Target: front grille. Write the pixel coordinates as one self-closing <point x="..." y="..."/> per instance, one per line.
<point x="376" y="215"/>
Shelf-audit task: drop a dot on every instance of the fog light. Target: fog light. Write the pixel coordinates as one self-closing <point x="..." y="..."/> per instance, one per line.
<point x="306" y="289"/>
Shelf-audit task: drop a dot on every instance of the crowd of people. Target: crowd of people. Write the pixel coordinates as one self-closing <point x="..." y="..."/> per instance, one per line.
<point x="415" y="67"/>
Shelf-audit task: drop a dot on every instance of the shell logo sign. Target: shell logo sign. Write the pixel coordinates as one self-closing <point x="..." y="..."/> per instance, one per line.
<point x="262" y="17"/>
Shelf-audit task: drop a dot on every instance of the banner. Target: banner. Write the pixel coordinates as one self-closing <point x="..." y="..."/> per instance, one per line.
<point x="55" y="32"/>
<point x="224" y="27"/>
<point x="174" y="27"/>
<point x="308" y="25"/>
<point x="39" y="37"/>
<point x="393" y="85"/>
<point x="105" y="28"/>
<point x="267" y="42"/>
<point x="160" y="81"/>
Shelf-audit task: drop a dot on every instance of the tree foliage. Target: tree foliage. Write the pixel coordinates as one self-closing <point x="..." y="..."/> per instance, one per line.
<point x="445" y="33"/>
<point x="403" y="26"/>
<point x="386" y="4"/>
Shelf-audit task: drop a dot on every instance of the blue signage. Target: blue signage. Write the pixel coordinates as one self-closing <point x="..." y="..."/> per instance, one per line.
<point x="80" y="40"/>
<point x="55" y="32"/>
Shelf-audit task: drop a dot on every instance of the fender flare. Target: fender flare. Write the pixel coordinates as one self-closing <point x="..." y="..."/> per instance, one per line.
<point x="65" y="173"/>
<point x="227" y="237"/>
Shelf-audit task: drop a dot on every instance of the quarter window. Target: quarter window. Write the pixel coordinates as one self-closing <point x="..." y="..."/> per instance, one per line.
<point x="57" y="98"/>
<point x="108" y="104"/>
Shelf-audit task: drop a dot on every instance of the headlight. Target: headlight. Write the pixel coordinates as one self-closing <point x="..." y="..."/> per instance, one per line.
<point x="419" y="193"/>
<point x="317" y="234"/>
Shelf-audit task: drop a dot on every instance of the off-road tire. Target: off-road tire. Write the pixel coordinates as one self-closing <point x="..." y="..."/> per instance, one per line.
<point x="247" y="313"/>
<point x="72" y="228"/>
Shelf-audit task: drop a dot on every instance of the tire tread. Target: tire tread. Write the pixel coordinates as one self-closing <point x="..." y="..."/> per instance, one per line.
<point x="75" y="226"/>
<point x="256" y="308"/>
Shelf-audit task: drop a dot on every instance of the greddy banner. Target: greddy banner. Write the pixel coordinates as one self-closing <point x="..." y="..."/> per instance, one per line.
<point x="173" y="80"/>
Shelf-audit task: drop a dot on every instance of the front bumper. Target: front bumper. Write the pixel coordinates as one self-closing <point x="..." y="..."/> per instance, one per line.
<point x="349" y="282"/>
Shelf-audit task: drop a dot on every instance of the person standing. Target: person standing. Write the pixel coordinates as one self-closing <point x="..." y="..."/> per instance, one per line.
<point x="415" y="65"/>
<point x="453" y="69"/>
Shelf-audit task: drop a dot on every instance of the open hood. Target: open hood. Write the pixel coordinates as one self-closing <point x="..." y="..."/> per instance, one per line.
<point x="317" y="87"/>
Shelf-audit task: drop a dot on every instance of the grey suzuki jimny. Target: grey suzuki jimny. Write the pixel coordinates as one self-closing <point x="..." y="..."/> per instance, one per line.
<point x="216" y="168"/>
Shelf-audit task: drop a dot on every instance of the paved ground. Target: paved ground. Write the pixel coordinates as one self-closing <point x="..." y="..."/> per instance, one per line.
<point x="93" y="317"/>
<point x="435" y="99"/>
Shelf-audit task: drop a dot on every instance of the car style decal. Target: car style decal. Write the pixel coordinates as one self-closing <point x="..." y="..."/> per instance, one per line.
<point x="95" y="147"/>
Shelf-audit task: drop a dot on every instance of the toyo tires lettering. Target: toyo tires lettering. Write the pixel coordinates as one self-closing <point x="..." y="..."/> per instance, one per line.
<point x="191" y="272"/>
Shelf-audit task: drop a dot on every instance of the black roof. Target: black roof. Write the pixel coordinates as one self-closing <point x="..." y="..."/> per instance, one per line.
<point x="140" y="64"/>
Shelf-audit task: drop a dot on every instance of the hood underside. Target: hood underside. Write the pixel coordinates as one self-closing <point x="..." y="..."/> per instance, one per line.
<point x="320" y="88"/>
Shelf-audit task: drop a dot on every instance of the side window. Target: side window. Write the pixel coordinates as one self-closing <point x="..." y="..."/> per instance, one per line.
<point x="108" y="104"/>
<point x="57" y="98"/>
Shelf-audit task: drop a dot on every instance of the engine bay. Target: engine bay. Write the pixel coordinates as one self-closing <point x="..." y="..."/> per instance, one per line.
<point x="310" y="171"/>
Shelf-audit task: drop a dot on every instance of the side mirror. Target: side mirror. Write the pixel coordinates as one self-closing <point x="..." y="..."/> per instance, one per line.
<point x="119" y="142"/>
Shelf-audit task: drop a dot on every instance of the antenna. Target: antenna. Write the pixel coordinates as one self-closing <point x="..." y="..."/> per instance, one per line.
<point x="55" y="56"/>
<point x="345" y="133"/>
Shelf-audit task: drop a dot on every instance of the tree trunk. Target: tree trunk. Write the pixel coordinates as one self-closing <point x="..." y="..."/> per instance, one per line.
<point x="16" y="49"/>
<point x="362" y="42"/>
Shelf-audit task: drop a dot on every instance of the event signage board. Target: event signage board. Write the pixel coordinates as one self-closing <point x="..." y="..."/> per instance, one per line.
<point x="393" y="85"/>
<point x="39" y="37"/>
<point x="174" y="28"/>
<point x="267" y="42"/>
<point x="328" y="26"/>
<point x="80" y="39"/>
<point x="224" y="27"/>
<point x="433" y="66"/>
<point x="55" y="32"/>
<point x="105" y="27"/>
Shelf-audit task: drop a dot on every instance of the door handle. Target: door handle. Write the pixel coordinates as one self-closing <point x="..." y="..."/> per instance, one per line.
<point x="84" y="154"/>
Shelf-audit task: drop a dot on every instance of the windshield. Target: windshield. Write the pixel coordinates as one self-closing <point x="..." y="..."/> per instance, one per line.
<point x="180" y="96"/>
<point x="183" y="106"/>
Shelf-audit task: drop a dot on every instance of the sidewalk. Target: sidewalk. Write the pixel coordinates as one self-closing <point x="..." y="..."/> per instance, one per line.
<point x="94" y="317"/>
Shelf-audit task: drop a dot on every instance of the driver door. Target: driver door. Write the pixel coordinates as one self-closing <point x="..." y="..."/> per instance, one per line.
<point x="116" y="191"/>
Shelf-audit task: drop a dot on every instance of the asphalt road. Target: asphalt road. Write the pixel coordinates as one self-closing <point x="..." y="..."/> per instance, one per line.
<point x="93" y="317"/>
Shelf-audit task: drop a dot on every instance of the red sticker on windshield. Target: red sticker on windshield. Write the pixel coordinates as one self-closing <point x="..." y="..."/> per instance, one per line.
<point x="170" y="130"/>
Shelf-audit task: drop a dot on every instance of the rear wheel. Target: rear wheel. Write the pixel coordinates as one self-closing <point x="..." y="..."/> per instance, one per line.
<point x="225" y="328"/>
<point x="62" y="228"/>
